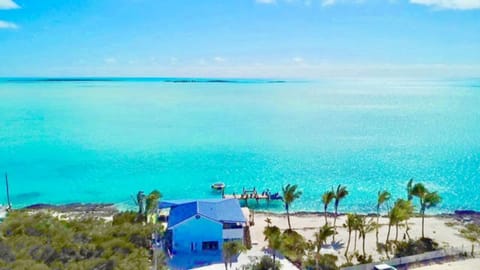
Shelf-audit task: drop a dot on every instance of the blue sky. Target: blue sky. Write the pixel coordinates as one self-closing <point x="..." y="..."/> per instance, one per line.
<point x="239" y="38"/>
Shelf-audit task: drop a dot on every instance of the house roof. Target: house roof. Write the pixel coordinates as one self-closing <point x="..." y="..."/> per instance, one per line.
<point x="221" y="210"/>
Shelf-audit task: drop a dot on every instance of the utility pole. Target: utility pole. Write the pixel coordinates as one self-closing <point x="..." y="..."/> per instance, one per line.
<point x="8" y="193"/>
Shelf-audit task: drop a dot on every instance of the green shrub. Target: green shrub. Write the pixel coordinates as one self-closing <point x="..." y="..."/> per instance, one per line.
<point x="41" y="241"/>
<point x="415" y="247"/>
<point x="265" y="263"/>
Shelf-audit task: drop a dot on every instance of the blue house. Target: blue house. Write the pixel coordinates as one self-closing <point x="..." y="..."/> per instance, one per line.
<point x="202" y="226"/>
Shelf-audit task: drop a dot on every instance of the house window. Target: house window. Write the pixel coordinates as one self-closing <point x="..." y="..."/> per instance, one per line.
<point x="232" y="226"/>
<point x="210" y="245"/>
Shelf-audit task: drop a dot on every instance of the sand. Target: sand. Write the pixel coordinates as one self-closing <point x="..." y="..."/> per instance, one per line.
<point x="444" y="230"/>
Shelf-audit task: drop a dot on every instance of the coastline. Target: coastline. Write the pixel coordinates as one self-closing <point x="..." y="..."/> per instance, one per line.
<point x="106" y="209"/>
<point x="442" y="228"/>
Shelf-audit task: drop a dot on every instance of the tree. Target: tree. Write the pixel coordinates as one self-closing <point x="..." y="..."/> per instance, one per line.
<point x="364" y="228"/>
<point x="400" y="211"/>
<point x="341" y="193"/>
<point x="36" y="241"/>
<point x="151" y="203"/>
<point x="290" y="194"/>
<point x="230" y="250"/>
<point x="264" y="263"/>
<point x="406" y="212"/>
<point x="350" y="224"/>
<point x="410" y="189"/>
<point x="293" y="245"/>
<point x="273" y="237"/>
<point x="471" y="232"/>
<point x="327" y="198"/>
<point x="382" y="197"/>
<point x="320" y="238"/>
<point x="427" y="200"/>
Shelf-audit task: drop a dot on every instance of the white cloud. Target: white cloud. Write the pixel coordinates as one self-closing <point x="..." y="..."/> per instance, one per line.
<point x="266" y="1"/>
<point x="328" y="2"/>
<point x="110" y="60"/>
<point x="449" y="4"/>
<point x="7" y="25"/>
<point x="8" y="4"/>
<point x="219" y="59"/>
<point x="298" y="60"/>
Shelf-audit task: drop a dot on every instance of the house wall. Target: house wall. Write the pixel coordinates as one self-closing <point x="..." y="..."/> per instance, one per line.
<point x="196" y="230"/>
<point x="236" y="234"/>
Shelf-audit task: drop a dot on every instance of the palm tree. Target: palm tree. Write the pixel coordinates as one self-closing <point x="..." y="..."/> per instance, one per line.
<point x="293" y="245"/>
<point x="383" y="196"/>
<point x="410" y="189"/>
<point x="273" y="236"/>
<point x="230" y="250"/>
<point x="349" y="224"/>
<point x="140" y="202"/>
<point x="405" y="212"/>
<point x="427" y="200"/>
<point x="409" y="198"/>
<point x="290" y="194"/>
<point x="398" y="213"/>
<point x="268" y="221"/>
<point x="364" y="228"/>
<point x="320" y="238"/>
<point x="151" y="203"/>
<point x="471" y="232"/>
<point x="327" y="198"/>
<point x="356" y="229"/>
<point x="341" y="193"/>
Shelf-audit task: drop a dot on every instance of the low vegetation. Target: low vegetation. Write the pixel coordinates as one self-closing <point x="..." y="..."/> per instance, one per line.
<point x="42" y="241"/>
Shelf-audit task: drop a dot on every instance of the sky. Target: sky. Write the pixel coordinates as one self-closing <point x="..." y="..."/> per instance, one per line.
<point x="239" y="38"/>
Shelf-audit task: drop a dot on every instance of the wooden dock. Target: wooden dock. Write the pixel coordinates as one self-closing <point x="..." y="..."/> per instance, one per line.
<point x="243" y="197"/>
<point x="247" y="195"/>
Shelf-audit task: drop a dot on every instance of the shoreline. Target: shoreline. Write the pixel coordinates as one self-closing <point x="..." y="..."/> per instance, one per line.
<point x="108" y="210"/>
<point x="99" y="207"/>
<point x="457" y="214"/>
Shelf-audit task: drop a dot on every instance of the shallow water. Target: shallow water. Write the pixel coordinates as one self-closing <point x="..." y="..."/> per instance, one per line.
<point x="101" y="141"/>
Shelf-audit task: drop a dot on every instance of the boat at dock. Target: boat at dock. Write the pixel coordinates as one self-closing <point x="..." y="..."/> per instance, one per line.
<point x="254" y="195"/>
<point x="218" y="186"/>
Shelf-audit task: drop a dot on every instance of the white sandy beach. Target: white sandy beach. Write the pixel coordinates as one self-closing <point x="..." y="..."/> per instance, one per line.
<point x="308" y="224"/>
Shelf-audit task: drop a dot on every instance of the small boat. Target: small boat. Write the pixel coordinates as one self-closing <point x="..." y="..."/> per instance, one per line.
<point x="218" y="186"/>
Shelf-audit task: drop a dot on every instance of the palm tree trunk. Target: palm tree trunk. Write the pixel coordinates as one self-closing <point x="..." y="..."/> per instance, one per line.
<point x="334" y="223"/>
<point x="406" y="229"/>
<point x="348" y="244"/>
<point x="473" y="251"/>
<point x="325" y="212"/>
<point x="396" y="232"/>
<point x="288" y="219"/>
<point x="355" y="242"/>
<point x="378" y="224"/>
<point x="363" y="247"/>
<point x="423" y="223"/>
<point x="386" y="241"/>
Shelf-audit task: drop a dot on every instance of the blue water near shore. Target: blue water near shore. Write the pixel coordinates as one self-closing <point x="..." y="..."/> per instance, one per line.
<point x="92" y="140"/>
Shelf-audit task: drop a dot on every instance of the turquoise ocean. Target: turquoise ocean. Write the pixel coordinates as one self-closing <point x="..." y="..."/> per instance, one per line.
<point x="92" y="140"/>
